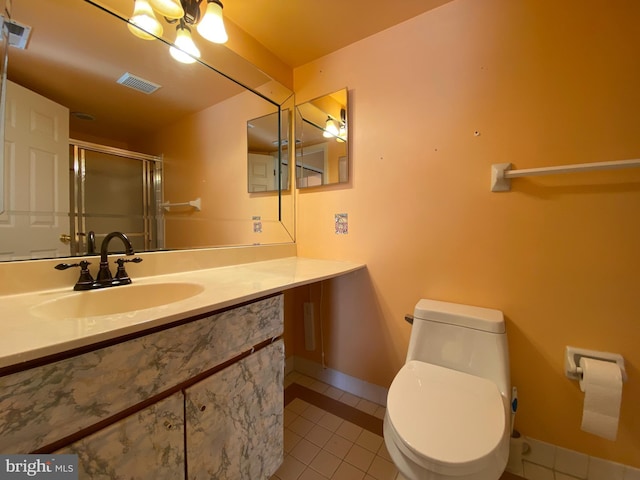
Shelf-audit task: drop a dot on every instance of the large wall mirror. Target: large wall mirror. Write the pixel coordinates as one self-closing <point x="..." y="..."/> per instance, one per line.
<point x="322" y="140"/>
<point x="126" y="106"/>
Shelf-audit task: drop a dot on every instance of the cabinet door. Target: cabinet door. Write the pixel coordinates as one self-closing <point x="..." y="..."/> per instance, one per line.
<point x="234" y="423"/>
<point x="146" y="445"/>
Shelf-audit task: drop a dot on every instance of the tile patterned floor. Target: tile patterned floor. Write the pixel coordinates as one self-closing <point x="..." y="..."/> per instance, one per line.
<point x="319" y="444"/>
<point x="332" y="434"/>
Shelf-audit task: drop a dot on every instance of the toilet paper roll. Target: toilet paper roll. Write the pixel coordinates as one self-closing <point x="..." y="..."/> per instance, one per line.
<point x="602" y="386"/>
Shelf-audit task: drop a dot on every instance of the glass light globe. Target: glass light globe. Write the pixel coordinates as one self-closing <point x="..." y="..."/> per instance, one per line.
<point x="330" y="129"/>
<point x="168" y="8"/>
<point x="211" y="26"/>
<point x="184" y="50"/>
<point x="143" y="23"/>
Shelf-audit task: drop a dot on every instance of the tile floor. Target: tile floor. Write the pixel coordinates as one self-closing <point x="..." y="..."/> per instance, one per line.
<point x="321" y="445"/>
<point x="331" y="434"/>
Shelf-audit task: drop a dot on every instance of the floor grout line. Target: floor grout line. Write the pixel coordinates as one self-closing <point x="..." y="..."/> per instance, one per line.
<point x="330" y="439"/>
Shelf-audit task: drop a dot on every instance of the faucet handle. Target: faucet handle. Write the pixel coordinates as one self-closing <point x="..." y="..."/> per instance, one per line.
<point x="132" y="260"/>
<point x="121" y="273"/>
<point x="64" y="266"/>
<point x="86" y="280"/>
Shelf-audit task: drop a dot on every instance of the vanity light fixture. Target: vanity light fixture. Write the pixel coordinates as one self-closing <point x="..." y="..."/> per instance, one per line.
<point x="336" y="129"/>
<point x="187" y="13"/>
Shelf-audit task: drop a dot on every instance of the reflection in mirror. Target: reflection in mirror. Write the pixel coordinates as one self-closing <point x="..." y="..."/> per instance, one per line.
<point x="322" y="140"/>
<point x="193" y="125"/>
<point x="267" y="151"/>
<point x="114" y="190"/>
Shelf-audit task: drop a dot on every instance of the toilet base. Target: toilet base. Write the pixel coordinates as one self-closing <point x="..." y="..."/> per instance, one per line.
<point x="412" y="471"/>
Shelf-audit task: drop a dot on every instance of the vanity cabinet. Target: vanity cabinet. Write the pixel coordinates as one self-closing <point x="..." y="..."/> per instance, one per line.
<point x="208" y="390"/>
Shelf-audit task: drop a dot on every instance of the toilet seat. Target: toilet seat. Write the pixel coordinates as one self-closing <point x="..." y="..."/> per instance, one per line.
<point x="449" y="422"/>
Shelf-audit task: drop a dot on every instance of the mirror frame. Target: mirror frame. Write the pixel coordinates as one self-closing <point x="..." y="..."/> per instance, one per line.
<point x="4" y="57"/>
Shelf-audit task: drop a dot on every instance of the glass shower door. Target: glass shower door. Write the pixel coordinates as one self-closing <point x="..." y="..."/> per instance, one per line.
<point x="115" y="190"/>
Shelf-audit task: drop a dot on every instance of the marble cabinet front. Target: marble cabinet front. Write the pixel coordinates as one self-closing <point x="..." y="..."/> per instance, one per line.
<point x="234" y="419"/>
<point x="148" y="445"/>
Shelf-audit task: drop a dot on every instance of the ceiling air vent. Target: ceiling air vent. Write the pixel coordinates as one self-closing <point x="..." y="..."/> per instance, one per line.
<point x="18" y="34"/>
<point x="137" y="83"/>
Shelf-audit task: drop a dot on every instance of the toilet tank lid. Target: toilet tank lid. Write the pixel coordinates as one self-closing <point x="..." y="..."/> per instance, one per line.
<point x="479" y="318"/>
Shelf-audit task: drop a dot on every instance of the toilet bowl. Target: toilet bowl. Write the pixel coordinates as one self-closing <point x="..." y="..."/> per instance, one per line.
<point x="448" y="411"/>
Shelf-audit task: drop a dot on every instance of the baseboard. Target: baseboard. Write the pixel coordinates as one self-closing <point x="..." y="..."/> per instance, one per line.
<point x="347" y="383"/>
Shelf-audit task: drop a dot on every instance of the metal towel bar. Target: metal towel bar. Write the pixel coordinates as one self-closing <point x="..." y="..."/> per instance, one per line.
<point x="501" y="173"/>
<point x="197" y="204"/>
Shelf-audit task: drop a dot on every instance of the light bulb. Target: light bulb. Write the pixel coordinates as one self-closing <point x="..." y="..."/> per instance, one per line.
<point x="211" y="26"/>
<point x="330" y="129"/>
<point x="143" y="23"/>
<point x="184" y="50"/>
<point x="171" y="9"/>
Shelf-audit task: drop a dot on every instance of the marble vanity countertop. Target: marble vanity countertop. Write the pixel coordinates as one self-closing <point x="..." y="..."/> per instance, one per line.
<point x="28" y="334"/>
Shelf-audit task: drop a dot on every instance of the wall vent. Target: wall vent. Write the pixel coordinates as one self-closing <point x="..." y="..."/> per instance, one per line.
<point x="18" y="34"/>
<point x="137" y="83"/>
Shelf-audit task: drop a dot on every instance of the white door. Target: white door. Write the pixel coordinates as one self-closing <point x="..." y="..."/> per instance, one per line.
<point x="36" y="177"/>
<point x="262" y="175"/>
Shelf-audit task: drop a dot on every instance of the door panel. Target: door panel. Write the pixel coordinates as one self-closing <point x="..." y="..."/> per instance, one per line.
<point x="36" y="193"/>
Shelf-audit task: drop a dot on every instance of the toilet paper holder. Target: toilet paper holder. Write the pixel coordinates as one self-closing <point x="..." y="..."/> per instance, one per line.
<point x="572" y="361"/>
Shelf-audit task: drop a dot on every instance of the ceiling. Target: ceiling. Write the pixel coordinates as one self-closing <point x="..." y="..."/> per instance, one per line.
<point x="71" y="59"/>
<point x="299" y="31"/>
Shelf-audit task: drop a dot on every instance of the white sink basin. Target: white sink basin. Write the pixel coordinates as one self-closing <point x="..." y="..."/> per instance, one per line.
<point x="115" y="300"/>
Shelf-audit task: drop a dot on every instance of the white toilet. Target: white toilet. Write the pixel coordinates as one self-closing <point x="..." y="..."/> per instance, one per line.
<point x="448" y="409"/>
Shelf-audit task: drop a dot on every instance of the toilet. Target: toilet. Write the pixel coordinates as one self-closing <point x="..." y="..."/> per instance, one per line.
<point x="448" y="408"/>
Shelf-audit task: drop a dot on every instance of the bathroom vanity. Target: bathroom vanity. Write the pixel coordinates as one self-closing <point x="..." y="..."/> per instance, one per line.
<point x="187" y="389"/>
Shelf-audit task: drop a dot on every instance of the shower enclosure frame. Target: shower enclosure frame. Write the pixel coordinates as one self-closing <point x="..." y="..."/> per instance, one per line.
<point x="153" y="220"/>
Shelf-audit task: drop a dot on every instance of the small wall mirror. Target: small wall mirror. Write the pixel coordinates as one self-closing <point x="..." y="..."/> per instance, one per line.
<point x="267" y="152"/>
<point x="322" y="140"/>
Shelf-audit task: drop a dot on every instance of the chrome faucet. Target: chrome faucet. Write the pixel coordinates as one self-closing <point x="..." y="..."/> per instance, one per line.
<point x="104" y="278"/>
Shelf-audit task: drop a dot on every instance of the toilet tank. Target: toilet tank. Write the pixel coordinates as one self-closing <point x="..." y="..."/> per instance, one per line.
<point x="461" y="337"/>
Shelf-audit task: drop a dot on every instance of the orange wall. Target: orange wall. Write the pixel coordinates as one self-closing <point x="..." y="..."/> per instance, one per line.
<point x="205" y="156"/>
<point x="434" y="102"/>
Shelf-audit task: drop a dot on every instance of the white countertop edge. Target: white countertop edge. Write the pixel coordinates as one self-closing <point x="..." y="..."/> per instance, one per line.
<point x="27" y="337"/>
